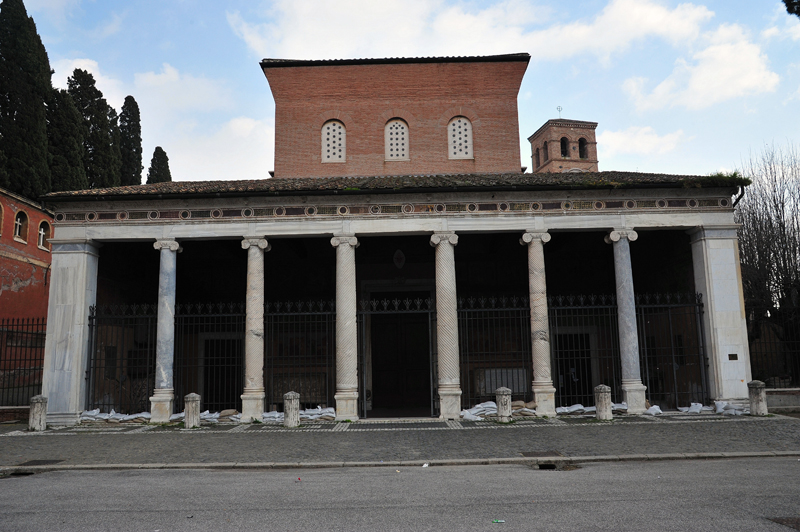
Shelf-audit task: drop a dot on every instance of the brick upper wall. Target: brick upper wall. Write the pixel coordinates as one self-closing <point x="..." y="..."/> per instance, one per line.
<point x="426" y="95"/>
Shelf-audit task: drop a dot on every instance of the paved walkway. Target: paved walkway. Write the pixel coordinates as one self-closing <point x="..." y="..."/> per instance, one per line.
<point x="397" y="442"/>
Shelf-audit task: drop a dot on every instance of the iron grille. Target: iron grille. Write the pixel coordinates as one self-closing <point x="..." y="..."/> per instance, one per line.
<point x="494" y="341"/>
<point x="300" y="352"/>
<point x="21" y="359"/>
<point x="122" y="358"/>
<point x="774" y="338"/>
<point x="209" y="354"/>
<point x="673" y="364"/>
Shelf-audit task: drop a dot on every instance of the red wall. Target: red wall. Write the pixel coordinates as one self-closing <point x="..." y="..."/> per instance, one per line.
<point x="425" y="95"/>
<point x="24" y="267"/>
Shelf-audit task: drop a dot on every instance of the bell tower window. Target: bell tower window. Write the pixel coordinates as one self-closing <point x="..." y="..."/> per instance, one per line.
<point x="564" y="148"/>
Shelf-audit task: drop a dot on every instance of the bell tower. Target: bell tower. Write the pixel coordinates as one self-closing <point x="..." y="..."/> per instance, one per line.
<point x="562" y="145"/>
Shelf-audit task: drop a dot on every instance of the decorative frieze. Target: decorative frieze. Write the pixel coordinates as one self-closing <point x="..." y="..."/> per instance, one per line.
<point x="506" y="208"/>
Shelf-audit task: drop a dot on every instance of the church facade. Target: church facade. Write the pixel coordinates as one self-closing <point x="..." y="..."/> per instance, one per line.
<point x="399" y="262"/>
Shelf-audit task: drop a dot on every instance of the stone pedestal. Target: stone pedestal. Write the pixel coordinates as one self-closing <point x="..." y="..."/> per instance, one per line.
<point x="37" y="418"/>
<point x="191" y="411"/>
<point x="346" y="395"/>
<point x="543" y="390"/>
<point x="447" y="326"/>
<point x="602" y="402"/>
<point x="291" y="409"/>
<point x="758" y="398"/>
<point x="253" y="395"/>
<point x="503" y="400"/>
<point x="162" y="403"/>
<point x="632" y="387"/>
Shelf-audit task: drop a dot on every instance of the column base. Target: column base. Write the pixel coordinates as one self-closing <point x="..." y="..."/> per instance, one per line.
<point x="633" y="395"/>
<point x="252" y="405"/>
<point x="346" y="406"/>
<point x="545" y="397"/>
<point x="449" y="403"/>
<point x="63" y="419"/>
<point x="161" y="405"/>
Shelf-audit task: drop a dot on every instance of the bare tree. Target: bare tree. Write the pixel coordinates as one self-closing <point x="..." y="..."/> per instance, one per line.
<point x="769" y="245"/>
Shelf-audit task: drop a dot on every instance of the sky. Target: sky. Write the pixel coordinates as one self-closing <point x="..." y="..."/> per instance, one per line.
<point x="676" y="87"/>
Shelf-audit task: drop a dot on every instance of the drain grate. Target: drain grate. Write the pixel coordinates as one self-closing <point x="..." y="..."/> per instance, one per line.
<point x="40" y="462"/>
<point x="541" y="454"/>
<point x="791" y="522"/>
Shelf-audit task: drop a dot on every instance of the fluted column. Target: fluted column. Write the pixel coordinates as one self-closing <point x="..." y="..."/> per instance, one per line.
<point x="253" y="396"/>
<point x="346" y="328"/>
<point x="632" y="387"/>
<point x="163" y="400"/>
<point x="543" y="390"/>
<point x="447" y="325"/>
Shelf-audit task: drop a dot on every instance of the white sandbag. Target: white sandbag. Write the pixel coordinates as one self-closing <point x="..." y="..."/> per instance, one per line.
<point x="177" y="417"/>
<point x="467" y="416"/>
<point x="695" y="408"/>
<point x="573" y="409"/>
<point x="653" y="410"/>
<point x="683" y="409"/>
<point x="620" y="407"/>
<point x="720" y="406"/>
<point x="590" y="410"/>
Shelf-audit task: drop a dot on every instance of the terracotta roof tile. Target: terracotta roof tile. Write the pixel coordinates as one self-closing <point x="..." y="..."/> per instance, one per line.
<point x="397" y="184"/>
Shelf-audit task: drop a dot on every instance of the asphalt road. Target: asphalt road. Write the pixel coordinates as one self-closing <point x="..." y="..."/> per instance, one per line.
<point x="726" y="495"/>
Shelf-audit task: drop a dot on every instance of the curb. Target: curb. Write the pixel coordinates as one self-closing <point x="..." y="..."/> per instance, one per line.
<point x="555" y="460"/>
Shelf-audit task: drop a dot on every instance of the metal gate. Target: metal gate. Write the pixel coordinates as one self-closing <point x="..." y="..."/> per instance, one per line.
<point x="494" y="338"/>
<point x="300" y="352"/>
<point x="21" y="360"/>
<point x="371" y="311"/>
<point x="584" y="342"/>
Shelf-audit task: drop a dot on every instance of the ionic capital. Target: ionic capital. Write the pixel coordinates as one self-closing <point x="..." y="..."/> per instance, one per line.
<point x="614" y="236"/>
<point x="527" y="238"/>
<point x="337" y="241"/>
<point x="167" y="243"/>
<point x="256" y="242"/>
<point x="438" y="238"/>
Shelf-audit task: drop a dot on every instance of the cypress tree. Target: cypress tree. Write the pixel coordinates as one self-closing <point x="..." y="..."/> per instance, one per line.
<point x="25" y="86"/>
<point x="101" y="155"/>
<point x="65" y="141"/>
<point x="130" y="143"/>
<point x="115" y="138"/>
<point x="159" y="167"/>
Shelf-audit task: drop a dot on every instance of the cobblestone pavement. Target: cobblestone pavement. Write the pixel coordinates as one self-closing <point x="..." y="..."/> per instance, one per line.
<point x="376" y="441"/>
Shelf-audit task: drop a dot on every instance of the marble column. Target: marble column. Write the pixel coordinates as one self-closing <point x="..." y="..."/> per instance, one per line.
<point x="163" y="401"/>
<point x="346" y="328"/>
<point x="447" y="325"/>
<point x="253" y="396"/>
<point x="543" y="390"/>
<point x="632" y="387"/>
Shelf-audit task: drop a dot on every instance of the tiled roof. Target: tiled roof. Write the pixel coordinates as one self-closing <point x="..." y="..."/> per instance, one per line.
<point x="278" y="63"/>
<point x="396" y="184"/>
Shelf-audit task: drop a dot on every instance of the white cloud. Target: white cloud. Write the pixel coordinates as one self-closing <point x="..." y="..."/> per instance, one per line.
<point x="365" y="28"/>
<point x="730" y="66"/>
<point x="638" y="141"/>
<point x="113" y="89"/>
<point x="241" y="149"/>
<point x="174" y="91"/>
<point x="55" y="10"/>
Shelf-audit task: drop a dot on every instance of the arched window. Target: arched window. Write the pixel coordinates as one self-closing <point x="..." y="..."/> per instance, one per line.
<point x="459" y="137"/>
<point x="583" y="151"/>
<point x="334" y="142"/>
<point x="536" y="158"/>
<point x="21" y="227"/>
<point x="396" y="138"/>
<point x="44" y="236"/>
<point x="564" y="148"/>
<point x="546" y="153"/>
